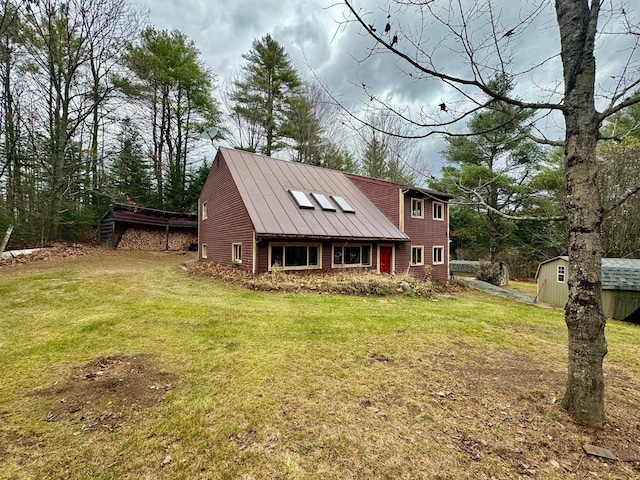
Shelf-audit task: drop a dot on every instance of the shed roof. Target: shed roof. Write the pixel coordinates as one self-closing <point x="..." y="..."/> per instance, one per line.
<point x="150" y="216"/>
<point x="617" y="273"/>
<point x="264" y="183"/>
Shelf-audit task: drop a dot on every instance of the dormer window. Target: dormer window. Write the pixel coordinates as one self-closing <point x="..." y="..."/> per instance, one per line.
<point x="417" y="208"/>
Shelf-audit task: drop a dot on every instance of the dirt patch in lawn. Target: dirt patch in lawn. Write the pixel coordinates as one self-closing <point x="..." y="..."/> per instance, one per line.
<point x="104" y="393"/>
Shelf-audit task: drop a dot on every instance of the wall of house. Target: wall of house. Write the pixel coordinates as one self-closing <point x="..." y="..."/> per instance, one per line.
<point x="227" y="221"/>
<point x="549" y="289"/>
<point x="384" y="195"/>
<point x="425" y="232"/>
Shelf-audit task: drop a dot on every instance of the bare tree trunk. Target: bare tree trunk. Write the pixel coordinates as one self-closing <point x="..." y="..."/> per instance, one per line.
<point x="584" y="396"/>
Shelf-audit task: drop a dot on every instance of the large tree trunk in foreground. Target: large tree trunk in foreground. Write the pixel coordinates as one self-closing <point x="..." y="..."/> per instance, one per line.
<point x="584" y="396"/>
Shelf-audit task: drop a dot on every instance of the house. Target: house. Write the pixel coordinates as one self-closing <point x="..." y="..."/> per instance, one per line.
<point x="620" y="280"/>
<point x="261" y="214"/>
<point x="128" y="227"/>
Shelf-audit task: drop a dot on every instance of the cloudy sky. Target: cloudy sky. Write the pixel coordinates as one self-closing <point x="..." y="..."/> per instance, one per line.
<point x="314" y="34"/>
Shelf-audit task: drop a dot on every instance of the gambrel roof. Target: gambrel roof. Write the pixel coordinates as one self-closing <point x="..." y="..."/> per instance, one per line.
<point x="267" y="187"/>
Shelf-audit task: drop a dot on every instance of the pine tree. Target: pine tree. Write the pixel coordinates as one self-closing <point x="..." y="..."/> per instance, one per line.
<point x="260" y="96"/>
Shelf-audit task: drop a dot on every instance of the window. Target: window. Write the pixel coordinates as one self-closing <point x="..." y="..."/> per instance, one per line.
<point x="417" y="208"/>
<point x="438" y="255"/>
<point x="236" y="253"/>
<point x="417" y="255"/>
<point x="438" y="211"/>
<point x="324" y="202"/>
<point x="561" y="274"/>
<point x="301" y="199"/>
<point x="295" y="256"/>
<point x="343" y="204"/>
<point x="204" y="250"/>
<point x="351" y="256"/>
<point x="205" y="213"/>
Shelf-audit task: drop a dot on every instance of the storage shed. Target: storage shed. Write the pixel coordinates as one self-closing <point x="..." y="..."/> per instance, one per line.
<point x="620" y="285"/>
<point x="128" y="227"/>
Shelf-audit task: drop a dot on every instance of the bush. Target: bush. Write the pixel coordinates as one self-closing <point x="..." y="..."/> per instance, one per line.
<point x="348" y="282"/>
<point x="488" y="272"/>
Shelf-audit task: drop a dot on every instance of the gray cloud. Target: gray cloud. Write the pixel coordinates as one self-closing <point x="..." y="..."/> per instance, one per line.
<point x="313" y="33"/>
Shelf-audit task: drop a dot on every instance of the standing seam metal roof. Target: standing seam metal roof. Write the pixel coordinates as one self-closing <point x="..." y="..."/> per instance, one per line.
<point x="264" y="184"/>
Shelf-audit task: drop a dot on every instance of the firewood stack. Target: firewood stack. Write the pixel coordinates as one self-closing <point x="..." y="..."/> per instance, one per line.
<point x="149" y="238"/>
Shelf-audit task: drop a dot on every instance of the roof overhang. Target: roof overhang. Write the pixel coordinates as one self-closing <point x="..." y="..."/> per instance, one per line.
<point x="306" y="238"/>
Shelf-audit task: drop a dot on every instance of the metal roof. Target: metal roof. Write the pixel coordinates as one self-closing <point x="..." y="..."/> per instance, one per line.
<point x="617" y="273"/>
<point x="439" y="196"/>
<point x="264" y="184"/>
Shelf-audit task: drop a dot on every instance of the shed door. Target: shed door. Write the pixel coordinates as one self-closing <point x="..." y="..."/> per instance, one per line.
<point x="385" y="259"/>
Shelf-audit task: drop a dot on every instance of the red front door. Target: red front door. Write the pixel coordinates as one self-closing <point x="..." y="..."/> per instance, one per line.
<point x="385" y="259"/>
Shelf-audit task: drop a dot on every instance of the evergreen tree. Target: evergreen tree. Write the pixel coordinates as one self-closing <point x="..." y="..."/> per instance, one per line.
<point x="494" y="167"/>
<point x="176" y="92"/>
<point x="260" y="95"/>
<point x="130" y="171"/>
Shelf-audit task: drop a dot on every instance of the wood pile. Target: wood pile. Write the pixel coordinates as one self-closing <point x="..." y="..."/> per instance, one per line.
<point x="58" y="250"/>
<point x="149" y="238"/>
<point x="179" y="240"/>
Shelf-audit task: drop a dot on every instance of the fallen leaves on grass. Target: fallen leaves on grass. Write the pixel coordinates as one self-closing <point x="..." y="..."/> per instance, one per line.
<point x="348" y="283"/>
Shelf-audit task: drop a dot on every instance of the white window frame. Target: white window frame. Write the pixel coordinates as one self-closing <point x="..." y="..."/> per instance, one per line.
<point x="296" y="244"/>
<point x="204" y="211"/>
<point x="418" y="201"/>
<point x="438" y="206"/>
<point x="203" y="250"/>
<point x="236" y="248"/>
<point x="441" y="249"/>
<point x="421" y="248"/>
<point x="563" y="274"/>
<point x="351" y="265"/>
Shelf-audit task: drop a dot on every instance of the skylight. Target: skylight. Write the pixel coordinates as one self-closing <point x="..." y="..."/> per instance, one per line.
<point x="343" y="204"/>
<point x="323" y="201"/>
<point x="301" y="199"/>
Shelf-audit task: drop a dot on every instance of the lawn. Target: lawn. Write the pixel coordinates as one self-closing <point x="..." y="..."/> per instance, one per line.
<point x="123" y="366"/>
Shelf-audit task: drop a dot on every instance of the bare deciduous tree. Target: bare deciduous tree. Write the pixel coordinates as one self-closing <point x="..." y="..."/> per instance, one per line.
<point x="459" y="46"/>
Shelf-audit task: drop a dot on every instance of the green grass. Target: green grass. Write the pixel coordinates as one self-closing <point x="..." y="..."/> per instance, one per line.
<point x="283" y="385"/>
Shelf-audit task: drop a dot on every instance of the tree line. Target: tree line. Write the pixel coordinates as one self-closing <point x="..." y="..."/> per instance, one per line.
<point x="97" y="108"/>
<point x="508" y="187"/>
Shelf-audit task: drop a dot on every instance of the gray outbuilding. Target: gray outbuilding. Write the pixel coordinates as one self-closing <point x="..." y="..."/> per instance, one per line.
<point x="620" y="280"/>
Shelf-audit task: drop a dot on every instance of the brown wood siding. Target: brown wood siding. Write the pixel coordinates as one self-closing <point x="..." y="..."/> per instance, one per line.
<point x="228" y="221"/>
<point x="384" y="195"/>
<point x="426" y="232"/>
